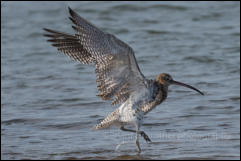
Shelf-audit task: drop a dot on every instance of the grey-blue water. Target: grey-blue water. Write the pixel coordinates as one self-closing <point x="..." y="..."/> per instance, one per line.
<point x="49" y="102"/>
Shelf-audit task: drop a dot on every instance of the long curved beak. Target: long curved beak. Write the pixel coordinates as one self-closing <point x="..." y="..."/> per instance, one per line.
<point x="185" y="85"/>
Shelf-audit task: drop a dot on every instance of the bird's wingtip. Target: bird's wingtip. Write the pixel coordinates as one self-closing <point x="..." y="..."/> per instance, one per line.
<point x="71" y="12"/>
<point x="47" y="30"/>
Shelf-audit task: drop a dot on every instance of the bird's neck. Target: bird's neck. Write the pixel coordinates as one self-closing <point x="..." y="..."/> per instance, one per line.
<point x="160" y="92"/>
<point x="158" y="96"/>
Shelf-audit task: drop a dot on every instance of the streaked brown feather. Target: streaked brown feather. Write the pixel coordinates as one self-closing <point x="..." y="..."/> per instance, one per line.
<point x="117" y="72"/>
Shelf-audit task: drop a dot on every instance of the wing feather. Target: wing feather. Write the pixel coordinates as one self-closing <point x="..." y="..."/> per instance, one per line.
<point x="117" y="72"/>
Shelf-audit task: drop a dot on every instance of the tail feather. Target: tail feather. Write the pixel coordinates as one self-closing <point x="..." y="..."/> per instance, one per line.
<point x="111" y="119"/>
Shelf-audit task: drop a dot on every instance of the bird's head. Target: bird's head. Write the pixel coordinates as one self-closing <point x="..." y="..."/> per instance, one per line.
<point x="166" y="80"/>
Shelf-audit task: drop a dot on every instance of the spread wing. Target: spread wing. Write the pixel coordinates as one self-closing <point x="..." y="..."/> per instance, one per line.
<point x="117" y="71"/>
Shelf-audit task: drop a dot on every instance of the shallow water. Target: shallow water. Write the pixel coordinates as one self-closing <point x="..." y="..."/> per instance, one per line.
<point x="49" y="103"/>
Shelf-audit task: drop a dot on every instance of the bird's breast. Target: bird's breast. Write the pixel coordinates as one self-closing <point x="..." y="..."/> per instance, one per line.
<point x="159" y="94"/>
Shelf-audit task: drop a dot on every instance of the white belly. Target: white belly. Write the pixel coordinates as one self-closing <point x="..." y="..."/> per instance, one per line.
<point x="128" y="114"/>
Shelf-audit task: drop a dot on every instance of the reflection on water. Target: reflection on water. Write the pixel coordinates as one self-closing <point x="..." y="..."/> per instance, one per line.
<point x="49" y="103"/>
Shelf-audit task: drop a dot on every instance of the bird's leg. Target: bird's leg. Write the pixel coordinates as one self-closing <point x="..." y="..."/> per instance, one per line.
<point x="137" y="139"/>
<point x="143" y="134"/>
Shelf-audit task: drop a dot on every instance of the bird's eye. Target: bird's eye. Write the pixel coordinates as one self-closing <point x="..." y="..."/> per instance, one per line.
<point x="167" y="78"/>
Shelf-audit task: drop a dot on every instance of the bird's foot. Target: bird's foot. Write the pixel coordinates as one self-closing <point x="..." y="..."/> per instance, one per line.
<point x="138" y="147"/>
<point x="143" y="134"/>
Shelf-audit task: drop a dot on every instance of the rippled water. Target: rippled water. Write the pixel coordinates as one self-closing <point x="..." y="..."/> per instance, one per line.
<point x="49" y="103"/>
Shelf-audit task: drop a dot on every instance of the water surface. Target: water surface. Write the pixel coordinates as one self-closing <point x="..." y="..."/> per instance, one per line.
<point x="49" y="102"/>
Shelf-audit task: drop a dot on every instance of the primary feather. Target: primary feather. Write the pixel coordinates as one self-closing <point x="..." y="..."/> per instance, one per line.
<point x="117" y="72"/>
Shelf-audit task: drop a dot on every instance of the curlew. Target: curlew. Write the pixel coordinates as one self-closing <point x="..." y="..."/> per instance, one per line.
<point x="118" y="75"/>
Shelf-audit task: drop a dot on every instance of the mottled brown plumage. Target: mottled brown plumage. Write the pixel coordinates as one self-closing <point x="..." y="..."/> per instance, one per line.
<point x="114" y="60"/>
<point x="118" y="75"/>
